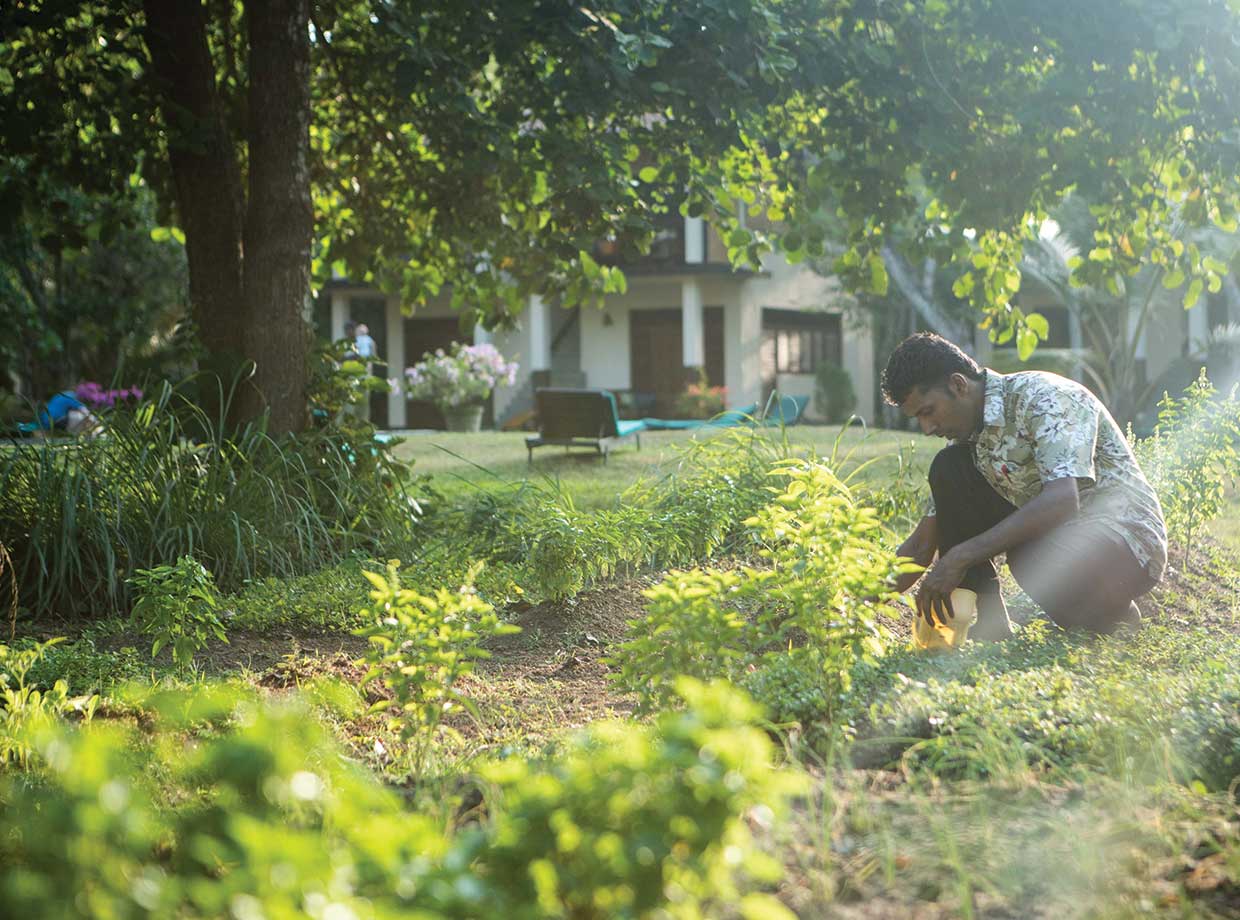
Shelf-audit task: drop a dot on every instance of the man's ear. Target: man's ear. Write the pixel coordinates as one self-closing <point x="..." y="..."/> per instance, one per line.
<point x="958" y="384"/>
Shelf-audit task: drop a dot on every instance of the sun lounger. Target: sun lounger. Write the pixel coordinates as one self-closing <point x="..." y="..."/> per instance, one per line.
<point x="580" y="418"/>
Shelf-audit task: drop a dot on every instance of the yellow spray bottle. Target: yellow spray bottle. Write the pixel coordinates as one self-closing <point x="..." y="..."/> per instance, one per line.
<point x="951" y="634"/>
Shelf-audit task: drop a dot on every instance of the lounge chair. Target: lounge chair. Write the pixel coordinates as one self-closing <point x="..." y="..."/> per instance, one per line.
<point x="778" y="410"/>
<point x="580" y="418"/>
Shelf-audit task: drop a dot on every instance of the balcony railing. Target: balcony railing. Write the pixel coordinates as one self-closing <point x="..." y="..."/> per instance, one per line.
<point x="667" y="251"/>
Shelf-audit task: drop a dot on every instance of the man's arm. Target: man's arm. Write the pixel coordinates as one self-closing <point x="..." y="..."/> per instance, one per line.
<point x="1058" y="501"/>
<point x="920" y="547"/>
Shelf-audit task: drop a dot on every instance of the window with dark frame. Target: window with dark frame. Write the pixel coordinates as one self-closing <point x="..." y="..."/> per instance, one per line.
<point x="797" y="343"/>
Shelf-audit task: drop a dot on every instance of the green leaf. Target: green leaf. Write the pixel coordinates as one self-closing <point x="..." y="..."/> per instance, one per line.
<point x="878" y="276"/>
<point x="648" y="173"/>
<point x="1173" y="279"/>
<point x="1037" y="322"/>
<point x="1192" y="294"/>
<point x="161" y="234"/>
<point x="1026" y="343"/>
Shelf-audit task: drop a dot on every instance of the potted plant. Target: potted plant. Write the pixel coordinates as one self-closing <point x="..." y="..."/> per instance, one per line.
<point x="459" y="381"/>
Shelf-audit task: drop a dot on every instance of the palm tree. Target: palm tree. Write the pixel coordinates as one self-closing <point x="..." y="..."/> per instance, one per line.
<point x="1112" y="321"/>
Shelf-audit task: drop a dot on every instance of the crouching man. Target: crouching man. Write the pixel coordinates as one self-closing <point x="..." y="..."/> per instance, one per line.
<point x="1037" y="468"/>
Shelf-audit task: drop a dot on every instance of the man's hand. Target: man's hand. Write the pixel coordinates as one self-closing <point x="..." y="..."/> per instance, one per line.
<point x="934" y="595"/>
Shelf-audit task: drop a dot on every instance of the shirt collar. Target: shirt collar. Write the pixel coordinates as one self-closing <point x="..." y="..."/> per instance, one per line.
<point x="992" y="399"/>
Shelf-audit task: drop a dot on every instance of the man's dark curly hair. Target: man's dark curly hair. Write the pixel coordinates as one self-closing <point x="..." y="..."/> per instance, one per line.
<point x="924" y="360"/>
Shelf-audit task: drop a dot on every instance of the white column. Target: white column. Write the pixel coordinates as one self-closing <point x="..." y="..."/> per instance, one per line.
<point x="692" y="330"/>
<point x="539" y="320"/>
<point x="1198" y="326"/>
<point x="395" y="361"/>
<point x="695" y="241"/>
<point x="482" y="335"/>
<point x="1140" y="352"/>
<point x="340" y="315"/>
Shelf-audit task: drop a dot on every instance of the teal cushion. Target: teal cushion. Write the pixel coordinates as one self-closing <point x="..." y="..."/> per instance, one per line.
<point x="628" y="427"/>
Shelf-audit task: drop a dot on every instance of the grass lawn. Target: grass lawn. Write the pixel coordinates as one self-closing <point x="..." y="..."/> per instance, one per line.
<point x="459" y="462"/>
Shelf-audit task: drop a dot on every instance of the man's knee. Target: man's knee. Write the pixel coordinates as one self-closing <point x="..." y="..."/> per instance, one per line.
<point x="951" y="465"/>
<point x="1079" y="580"/>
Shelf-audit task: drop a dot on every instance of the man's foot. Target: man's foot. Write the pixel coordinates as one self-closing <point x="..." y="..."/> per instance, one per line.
<point x="1127" y="623"/>
<point x="992" y="623"/>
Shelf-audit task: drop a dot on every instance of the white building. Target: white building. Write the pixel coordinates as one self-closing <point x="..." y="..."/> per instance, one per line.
<point x="685" y="309"/>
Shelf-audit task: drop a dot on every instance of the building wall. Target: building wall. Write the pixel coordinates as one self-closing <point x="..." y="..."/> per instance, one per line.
<point x="604" y="332"/>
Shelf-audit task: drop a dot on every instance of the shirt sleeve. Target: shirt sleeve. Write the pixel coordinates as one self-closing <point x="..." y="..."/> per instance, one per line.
<point x="1063" y="426"/>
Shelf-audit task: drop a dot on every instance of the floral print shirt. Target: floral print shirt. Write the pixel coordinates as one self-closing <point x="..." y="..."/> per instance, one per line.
<point x="1038" y="427"/>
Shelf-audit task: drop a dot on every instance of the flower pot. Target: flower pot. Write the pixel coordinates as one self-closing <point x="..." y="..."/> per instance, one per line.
<point x="463" y="418"/>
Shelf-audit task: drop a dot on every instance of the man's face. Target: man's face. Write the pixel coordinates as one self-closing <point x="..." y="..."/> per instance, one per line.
<point x="942" y="410"/>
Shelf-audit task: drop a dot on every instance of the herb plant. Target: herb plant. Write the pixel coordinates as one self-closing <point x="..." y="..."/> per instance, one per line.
<point x="421" y="647"/>
<point x="177" y="604"/>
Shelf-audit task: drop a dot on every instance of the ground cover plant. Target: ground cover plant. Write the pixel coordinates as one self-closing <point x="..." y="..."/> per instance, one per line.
<point x="789" y="753"/>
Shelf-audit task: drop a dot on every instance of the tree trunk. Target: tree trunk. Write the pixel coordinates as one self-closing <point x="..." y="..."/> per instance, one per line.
<point x="280" y="220"/>
<point x="930" y="312"/>
<point x="206" y="178"/>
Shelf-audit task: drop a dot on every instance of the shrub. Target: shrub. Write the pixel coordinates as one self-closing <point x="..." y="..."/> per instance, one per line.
<point x="823" y="589"/>
<point x="700" y="399"/>
<point x="82" y="518"/>
<point x="262" y="816"/>
<point x="629" y="815"/>
<point x="1191" y="456"/>
<point x="834" y="390"/>
<point x="177" y="605"/>
<point x="421" y="646"/>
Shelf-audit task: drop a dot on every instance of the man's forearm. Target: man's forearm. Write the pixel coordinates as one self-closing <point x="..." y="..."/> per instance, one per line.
<point x="1058" y="502"/>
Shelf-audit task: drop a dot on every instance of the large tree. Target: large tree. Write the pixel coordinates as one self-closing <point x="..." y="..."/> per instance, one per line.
<point x="482" y="149"/>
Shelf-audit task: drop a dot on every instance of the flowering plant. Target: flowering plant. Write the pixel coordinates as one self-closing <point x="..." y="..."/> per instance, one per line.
<point x="700" y="400"/>
<point x="463" y="376"/>
<point x="94" y="396"/>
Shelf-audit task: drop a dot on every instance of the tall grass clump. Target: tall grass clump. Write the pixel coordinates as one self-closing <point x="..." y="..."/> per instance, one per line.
<point x="81" y="516"/>
<point x="694" y="512"/>
<point x="1192" y="456"/>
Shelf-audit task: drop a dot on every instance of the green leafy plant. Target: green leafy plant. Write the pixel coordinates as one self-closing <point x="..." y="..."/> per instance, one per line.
<point x="27" y="709"/>
<point x="262" y="816"/>
<point x="336" y="383"/>
<point x="823" y="588"/>
<point x="1192" y="456"/>
<point x="689" y="629"/>
<point x="177" y="605"/>
<point x="629" y="813"/>
<point x="553" y="549"/>
<point x="421" y="646"/>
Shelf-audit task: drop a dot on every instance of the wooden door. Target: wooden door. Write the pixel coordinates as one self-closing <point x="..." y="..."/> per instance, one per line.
<point x="656" y="353"/>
